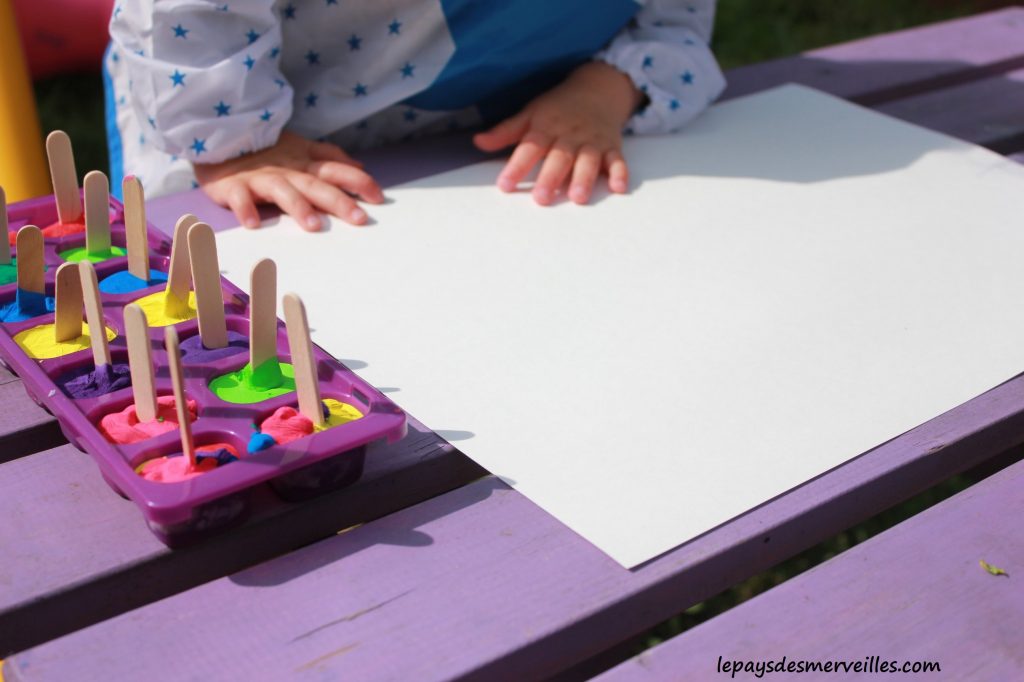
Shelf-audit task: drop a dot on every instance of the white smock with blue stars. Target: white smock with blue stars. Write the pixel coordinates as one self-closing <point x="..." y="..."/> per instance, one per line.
<point x="195" y="81"/>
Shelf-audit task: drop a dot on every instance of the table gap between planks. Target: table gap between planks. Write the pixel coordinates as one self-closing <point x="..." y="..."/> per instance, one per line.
<point x="477" y="582"/>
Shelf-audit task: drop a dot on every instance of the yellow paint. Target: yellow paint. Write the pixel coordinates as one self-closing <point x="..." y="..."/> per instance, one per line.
<point x="340" y="413"/>
<point x="23" y="172"/>
<point x="40" y="342"/>
<point x="163" y="308"/>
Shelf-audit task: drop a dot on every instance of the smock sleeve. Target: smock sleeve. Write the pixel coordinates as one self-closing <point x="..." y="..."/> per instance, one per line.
<point x="665" y="51"/>
<point x="204" y="76"/>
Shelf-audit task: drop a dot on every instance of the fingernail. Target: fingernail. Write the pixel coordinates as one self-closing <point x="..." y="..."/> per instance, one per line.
<point x="542" y="194"/>
<point x="506" y="184"/>
<point x="252" y="223"/>
<point x="578" y="194"/>
<point x="357" y="215"/>
<point x="313" y="222"/>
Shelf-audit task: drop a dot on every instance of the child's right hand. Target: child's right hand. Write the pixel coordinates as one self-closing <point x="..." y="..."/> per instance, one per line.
<point x="296" y="174"/>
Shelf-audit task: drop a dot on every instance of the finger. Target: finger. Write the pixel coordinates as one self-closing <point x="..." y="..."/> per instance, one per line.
<point x="349" y="178"/>
<point x="234" y="194"/>
<point x="505" y="134"/>
<point x="328" y="198"/>
<point x="277" y="189"/>
<point x="526" y="155"/>
<point x="553" y="173"/>
<point x="325" y="151"/>
<point x="584" y="174"/>
<point x="618" y="172"/>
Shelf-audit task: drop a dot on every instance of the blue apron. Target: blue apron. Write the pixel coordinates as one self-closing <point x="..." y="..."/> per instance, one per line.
<point x="509" y="51"/>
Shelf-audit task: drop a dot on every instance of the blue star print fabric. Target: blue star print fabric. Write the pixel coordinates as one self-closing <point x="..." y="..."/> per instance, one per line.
<point x="195" y="81"/>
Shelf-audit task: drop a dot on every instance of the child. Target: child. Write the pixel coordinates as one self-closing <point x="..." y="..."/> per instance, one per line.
<point x="255" y="100"/>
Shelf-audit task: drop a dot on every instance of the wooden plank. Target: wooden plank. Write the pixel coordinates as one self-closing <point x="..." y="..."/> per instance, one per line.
<point x="890" y="66"/>
<point x="481" y="584"/>
<point x="914" y="593"/>
<point x="986" y="112"/>
<point x="25" y="427"/>
<point x="74" y="552"/>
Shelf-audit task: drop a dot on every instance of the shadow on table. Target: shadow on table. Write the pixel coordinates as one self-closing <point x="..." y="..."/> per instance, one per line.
<point x="398" y="529"/>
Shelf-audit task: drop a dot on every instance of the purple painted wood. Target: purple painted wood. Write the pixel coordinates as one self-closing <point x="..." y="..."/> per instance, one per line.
<point x="890" y="66"/>
<point x="74" y="552"/>
<point x="913" y="593"/>
<point x="481" y="583"/>
<point x="24" y="426"/>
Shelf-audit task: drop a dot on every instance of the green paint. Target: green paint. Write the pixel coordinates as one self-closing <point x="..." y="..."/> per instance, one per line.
<point x="9" y="272"/>
<point x="79" y="254"/>
<point x="993" y="570"/>
<point x="246" y="386"/>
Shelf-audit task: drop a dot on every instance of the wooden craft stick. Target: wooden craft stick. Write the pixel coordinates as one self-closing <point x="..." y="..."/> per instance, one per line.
<point x="180" y="404"/>
<point x="140" y="362"/>
<point x="68" y="305"/>
<point x="97" y="213"/>
<point x="135" y="227"/>
<point x="179" y="281"/>
<point x="94" y="314"/>
<point x="202" y="253"/>
<point x="263" y="313"/>
<point x="64" y="177"/>
<point x="30" y="259"/>
<point x="5" y="248"/>
<point x="307" y="384"/>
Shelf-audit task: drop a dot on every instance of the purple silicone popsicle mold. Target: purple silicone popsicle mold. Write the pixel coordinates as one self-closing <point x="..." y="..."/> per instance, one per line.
<point x="182" y="512"/>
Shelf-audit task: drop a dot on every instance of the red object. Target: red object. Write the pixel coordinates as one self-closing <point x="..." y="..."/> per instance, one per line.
<point x="61" y="36"/>
<point x="54" y="231"/>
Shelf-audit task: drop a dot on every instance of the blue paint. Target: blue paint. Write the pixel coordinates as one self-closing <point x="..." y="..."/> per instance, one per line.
<point x="124" y="282"/>
<point x="508" y="53"/>
<point x="26" y="305"/>
<point x="221" y="455"/>
<point x="260" y="441"/>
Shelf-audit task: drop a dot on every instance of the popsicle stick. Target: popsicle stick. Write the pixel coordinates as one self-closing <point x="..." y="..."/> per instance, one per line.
<point x="30" y="259"/>
<point x="135" y="227"/>
<point x="307" y="384"/>
<point x="68" y="307"/>
<point x="64" y="177"/>
<point x="202" y="253"/>
<point x="97" y="213"/>
<point x="263" y="313"/>
<point x="179" y="276"/>
<point x="178" y="382"/>
<point x="140" y="362"/>
<point x="5" y="248"/>
<point x="94" y="314"/>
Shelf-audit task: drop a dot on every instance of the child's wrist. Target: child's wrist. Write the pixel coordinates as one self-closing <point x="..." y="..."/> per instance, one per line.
<point x="616" y="85"/>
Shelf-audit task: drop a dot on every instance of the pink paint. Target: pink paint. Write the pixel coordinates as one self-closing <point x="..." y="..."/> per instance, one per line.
<point x="176" y="468"/>
<point x="286" y="425"/>
<point x="124" y="427"/>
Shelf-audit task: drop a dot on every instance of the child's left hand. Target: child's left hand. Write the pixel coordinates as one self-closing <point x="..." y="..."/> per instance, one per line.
<point x="575" y="128"/>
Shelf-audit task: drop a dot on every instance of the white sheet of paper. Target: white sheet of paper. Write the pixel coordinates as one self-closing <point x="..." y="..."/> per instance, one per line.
<point x="793" y="281"/>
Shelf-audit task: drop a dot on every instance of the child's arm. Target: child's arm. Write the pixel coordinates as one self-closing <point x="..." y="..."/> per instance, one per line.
<point x="206" y="77"/>
<point x="654" y="77"/>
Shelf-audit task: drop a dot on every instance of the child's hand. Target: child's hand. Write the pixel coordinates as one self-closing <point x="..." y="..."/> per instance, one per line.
<point x="296" y="174"/>
<point x="577" y="126"/>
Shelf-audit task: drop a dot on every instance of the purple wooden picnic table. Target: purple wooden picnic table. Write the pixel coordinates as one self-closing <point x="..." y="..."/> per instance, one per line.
<point x="451" y="574"/>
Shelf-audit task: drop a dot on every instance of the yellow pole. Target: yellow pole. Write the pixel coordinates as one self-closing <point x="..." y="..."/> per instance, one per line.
<point x="23" y="171"/>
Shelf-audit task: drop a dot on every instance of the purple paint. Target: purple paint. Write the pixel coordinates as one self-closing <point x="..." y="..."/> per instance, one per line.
<point x="89" y="382"/>
<point x="194" y="352"/>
